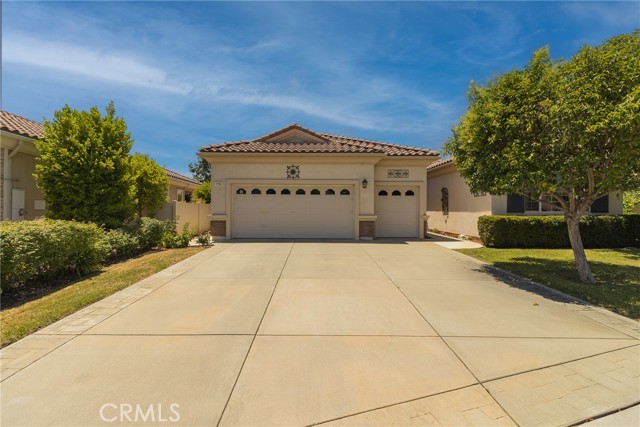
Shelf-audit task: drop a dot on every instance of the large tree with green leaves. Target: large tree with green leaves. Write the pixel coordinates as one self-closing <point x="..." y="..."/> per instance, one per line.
<point x="201" y="170"/>
<point x="84" y="166"/>
<point x="150" y="184"/>
<point x="570" y="129"/>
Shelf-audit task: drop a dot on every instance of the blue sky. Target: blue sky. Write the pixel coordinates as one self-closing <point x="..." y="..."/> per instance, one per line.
<point x="184" y="75"/>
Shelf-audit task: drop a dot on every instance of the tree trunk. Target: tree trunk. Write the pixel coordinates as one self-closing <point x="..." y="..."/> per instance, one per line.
<point x="584" y="271"/>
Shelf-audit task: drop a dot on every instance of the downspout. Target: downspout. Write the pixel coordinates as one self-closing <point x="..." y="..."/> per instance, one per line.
<point x="16" y="150"/>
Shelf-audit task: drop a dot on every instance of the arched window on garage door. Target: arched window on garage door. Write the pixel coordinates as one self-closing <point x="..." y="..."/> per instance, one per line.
<point x="382" y="193"/>
<point x="271" y="191"/>
<point x="300" y="191"/>
<point x="315" y="192"/>
<point x="396" y="193"/>
<point x="330" y="192"/>
<point x="344" y="192"/>
<point x="285" y="191"/>
<point x="241" y="191"/>
<point x="256" y="191"/>
<point x="409" y="193"/>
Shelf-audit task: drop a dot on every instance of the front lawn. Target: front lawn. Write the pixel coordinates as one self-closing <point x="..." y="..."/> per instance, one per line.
<point x="26" y="318"/>
<point x="617" y="272"/>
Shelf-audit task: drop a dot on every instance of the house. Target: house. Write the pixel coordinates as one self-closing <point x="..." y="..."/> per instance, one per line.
<point x="179" y="207"/>
<point x="20" y="197"/>
<point x="180" y="187"/>
<point x="298" y="183"/>
<point x="453" y="208"/>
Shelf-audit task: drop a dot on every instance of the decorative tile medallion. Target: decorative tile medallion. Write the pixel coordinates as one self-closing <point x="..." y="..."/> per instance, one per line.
<point x="293" y="172"/>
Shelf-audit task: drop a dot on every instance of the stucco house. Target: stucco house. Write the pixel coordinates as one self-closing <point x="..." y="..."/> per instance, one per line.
<point x="180" y="187"/>
<point x="20" y="197"/>
<point x="298" y="183"/>
<point x="453" y="208"/>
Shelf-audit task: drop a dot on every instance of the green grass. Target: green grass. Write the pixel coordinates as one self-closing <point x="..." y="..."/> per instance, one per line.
<point x="18" y="322"/>
<point x="617" y="272"/>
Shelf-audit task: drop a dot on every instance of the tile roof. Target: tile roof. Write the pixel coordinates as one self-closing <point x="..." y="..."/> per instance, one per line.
<point x="315" y="143"/>
<point x="439" y="163"/>
<point x="20" y="125"/>
<point x="181" y="177"/>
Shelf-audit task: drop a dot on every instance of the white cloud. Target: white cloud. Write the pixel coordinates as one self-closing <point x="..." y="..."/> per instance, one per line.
<point x="88" y="62"/>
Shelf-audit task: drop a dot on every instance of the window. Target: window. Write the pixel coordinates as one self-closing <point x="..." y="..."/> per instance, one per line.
<point x="396" y="193"/>
<point x="256" y="191"/>
<point x="330" y="192"/>
<point x="344" y="192"/>
<point x="409" y="193"/>
<point x="383" y="193"/>
<point x="241" y="191"/>
<point x="300" y="191"/>
<point x="315" y="192"/>
<point x="180" y="195"/>
<point x="285" y="191"/>
<point x="545" y="203"/>
<point x="271" y="191"/>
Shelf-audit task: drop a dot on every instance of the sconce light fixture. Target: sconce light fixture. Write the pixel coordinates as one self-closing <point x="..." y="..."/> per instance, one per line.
<point x="365" y="183"/>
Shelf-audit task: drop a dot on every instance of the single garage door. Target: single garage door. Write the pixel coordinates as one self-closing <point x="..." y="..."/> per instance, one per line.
<point x="294" y="211"/>
<point x="397" y="211"/>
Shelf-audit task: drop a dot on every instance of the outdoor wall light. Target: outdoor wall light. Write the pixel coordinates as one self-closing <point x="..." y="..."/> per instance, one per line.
<point x="365" y="183"/>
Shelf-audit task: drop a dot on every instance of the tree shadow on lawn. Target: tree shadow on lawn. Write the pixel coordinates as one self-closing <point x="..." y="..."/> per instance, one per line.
<point x="617" y="287"/>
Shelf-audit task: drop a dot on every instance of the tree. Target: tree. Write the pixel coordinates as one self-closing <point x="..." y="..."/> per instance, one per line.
<point x="201" y="170"/>
<point x="150" y="184"/>
<point x="631" y="202"/>
<point x="570" y="129"/>
<point x="84" y="166"/>
<point x="202" y="193"/>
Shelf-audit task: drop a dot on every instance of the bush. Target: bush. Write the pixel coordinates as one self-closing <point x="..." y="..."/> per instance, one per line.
<point x="148" y="231"/>
<point x="121" y="245"/>
<point x="173" y="239"/>
<point x="45" y="248"/>
<point x="601" y="231"/>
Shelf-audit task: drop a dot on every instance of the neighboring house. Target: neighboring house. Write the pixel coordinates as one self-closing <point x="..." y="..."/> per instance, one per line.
<point x="453" y="208"/>
<point x="180" y="187"/>
<point x="20" y="198"/>
<point x="297" y="183"/>
<point x="179" y="207"/>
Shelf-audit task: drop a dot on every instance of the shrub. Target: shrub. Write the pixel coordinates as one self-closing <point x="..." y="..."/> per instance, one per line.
<point x="602" y="231"/>
<point x="121" y="245"/>
<point x="173" y="239"/>
<point x="149" y="232"/>
<point x="204" y="239"/>
<point x="45" y="248"/>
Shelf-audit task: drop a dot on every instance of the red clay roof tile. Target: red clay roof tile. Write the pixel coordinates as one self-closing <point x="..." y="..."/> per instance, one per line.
<point x="325" y="143"/>
<point x="20" y="125"/>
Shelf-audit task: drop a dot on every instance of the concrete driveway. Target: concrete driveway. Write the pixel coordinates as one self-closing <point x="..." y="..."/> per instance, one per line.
<point x="342" y="333"/>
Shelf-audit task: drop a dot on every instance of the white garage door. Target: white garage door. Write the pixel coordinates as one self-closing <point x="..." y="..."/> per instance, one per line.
<point x="294" y="211"/>
<point x="397" y="211"/>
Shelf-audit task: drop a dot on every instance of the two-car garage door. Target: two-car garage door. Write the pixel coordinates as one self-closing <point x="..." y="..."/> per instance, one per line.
<point x="304" y="211"/>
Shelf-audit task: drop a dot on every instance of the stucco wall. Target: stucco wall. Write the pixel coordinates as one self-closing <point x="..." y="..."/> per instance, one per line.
<point x="224" y="173"/>
<point x="195" y="214"/>
<point x="22" y="168"/>
<point x="464" y="207"/>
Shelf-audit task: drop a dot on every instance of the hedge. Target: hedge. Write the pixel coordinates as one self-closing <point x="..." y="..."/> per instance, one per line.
<point x="597" y="231"/>
<point x="45" y="248"/>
